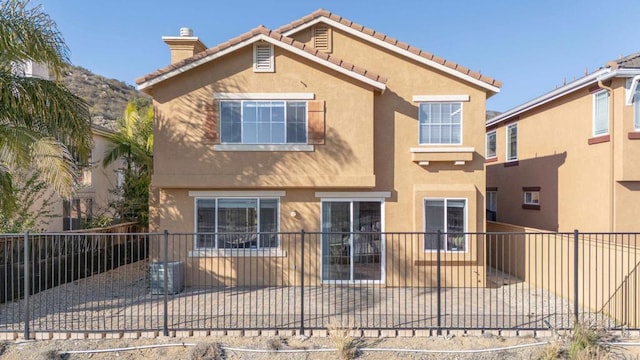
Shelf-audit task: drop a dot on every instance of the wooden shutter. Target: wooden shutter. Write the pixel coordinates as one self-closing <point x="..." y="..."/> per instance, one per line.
<point x="322" y="38"/>
<point x="315" y="122"/>
<point x="212" y="116"/>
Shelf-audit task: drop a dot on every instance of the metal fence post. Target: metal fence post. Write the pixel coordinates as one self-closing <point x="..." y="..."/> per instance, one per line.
<point x="165" y="326"/>
<point x="27" y="285"/>
<point x="302" y="282"/>
<point x="438" y="283"/>
<point x="575" y="275"/>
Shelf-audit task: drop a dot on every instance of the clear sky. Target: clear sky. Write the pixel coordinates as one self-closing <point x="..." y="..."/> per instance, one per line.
<point x="531" y="46"/>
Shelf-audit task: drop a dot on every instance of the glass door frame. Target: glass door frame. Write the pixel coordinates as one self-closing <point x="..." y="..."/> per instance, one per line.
<point x="351" y="200"/>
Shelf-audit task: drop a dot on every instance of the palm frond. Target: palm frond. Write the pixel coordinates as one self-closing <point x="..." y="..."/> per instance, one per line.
<point x="48" y="108"/>
<point x="55" y="163"/>
<point x="27" y="33"/>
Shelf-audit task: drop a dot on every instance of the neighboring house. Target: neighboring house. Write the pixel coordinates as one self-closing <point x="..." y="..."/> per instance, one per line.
<point x="322" y="125"/>
<point x="95" y="189"/>
<point x="569" y="158"/>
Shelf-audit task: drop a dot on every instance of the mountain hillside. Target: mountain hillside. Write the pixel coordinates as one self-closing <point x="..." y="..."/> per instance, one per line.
<point x="107" y="98"/>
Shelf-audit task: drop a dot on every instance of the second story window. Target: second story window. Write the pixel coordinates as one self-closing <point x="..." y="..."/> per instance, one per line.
<point x="491" y="144"/>
<point x="512" y="142"/>
<point x="600" y="113"/>
<point x="636" y="106"/>
<point x="440" y="123"/>
<point x="263" y="122"/>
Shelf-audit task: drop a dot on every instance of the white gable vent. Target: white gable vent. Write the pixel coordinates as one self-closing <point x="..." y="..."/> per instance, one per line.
<point x="263" y="57"/>
<point x="322" y="38"/>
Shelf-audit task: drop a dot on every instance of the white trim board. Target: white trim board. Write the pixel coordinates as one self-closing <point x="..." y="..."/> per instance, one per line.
<point x="434" y="98"/>
<point x="263" y="96"/>
<point x="265" y="147"/>
<point x="353" y="194"/>
<point x="262" y="37"/>
<point x="456" y="149"/>
<point x="395" y="49"/>
<point x="231" y="193"/>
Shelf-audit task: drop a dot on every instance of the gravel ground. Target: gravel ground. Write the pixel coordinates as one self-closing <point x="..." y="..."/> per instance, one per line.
<point x="47" y="350"/>
<point x="120" y="300"/>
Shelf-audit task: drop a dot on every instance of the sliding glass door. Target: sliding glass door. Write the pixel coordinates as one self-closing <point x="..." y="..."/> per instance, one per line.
<point x="352" y="240"/>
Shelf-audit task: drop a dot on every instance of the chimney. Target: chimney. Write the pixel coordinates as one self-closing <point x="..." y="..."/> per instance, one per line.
<point x="184" y="46"/>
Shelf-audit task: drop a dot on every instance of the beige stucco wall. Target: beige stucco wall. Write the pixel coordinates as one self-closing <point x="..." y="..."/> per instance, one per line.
<point x="575" y="178"/>
<point x="368" y="139"/>
<point x="607" y="266"/>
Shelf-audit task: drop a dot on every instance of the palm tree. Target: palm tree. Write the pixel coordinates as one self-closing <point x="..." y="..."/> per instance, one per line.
<point x="43" y="126"/>
<point x="133" y="142"/>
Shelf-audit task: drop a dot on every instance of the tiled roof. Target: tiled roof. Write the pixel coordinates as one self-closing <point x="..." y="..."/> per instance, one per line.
<point x="629" y="61"/>
<point x="390" y="40"/>
<point x="274" y="35"/>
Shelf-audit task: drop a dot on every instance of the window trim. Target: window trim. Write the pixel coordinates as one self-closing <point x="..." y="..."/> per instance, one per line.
<point x="596" y="95"/>
<point x="530" y="205"/>
<point x="226" y="145"/>
<point x="495" y="198"/>
<point x="461" y="141"/>
<point x="466" y="224"/>
<point x="508" y="155"/>
<point x="217" y="251"/>
<point x="495" y="139"/>
<point x="351" y="200"/>
<point x="263" y="96"/>
<point x="635" y="98"/>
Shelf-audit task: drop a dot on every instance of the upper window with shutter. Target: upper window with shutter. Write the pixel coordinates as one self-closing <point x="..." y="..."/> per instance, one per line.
<point x="263" y="57"/>
<point x="322" y="38"/>
<point x="263" y="119"/>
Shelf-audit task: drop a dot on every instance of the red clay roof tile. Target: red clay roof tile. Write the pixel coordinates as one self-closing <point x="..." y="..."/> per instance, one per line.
<point x="272" y="34"/>
<point x="377" y="35"/>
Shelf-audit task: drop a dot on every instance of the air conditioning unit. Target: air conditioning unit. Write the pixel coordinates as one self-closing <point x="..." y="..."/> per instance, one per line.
<point x="175" y="280"/>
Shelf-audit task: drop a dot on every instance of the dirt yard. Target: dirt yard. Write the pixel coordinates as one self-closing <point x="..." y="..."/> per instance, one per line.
<point x="396" y="348"/>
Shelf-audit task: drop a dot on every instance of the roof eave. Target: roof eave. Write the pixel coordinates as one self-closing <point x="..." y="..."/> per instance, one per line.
<point x="260" y="37"/>
<point x="592" y="78"/>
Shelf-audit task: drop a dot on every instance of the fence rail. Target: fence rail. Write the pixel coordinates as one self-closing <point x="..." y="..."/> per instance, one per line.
<point x="116" y="282"/>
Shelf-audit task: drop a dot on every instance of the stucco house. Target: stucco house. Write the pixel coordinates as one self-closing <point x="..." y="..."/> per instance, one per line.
<point x="93" y="193"/>
<point x="569" y="159"/>
<point x="323" y="125"/>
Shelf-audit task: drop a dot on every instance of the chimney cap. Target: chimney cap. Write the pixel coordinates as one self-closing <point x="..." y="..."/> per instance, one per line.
<point x="186" y="32"/>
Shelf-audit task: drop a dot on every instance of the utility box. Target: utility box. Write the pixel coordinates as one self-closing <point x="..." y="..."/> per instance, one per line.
<point x="175" y="280"/>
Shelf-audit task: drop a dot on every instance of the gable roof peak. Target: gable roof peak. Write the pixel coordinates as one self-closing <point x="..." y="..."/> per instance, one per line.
<point x="256" y="34"/>
<point x="374" y="36"/>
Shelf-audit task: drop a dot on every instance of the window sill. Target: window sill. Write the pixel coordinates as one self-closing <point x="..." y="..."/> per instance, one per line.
<point x="252" y="253"/>
<point x="634" y="135"/>
<point x="491" y="159"/>
<point x="266" y="147"/>
<point x="512" y="163"/>
<point x="456" y="154"/>
<point x="530" y="207"/>
<point x="598" y="139"/>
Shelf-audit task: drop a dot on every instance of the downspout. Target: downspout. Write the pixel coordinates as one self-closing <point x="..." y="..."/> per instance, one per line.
<point x="611" y="154"/>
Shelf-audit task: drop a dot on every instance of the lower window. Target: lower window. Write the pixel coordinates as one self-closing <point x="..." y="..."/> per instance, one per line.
<point x="77" y="213"/>
<point x="237" y="223"/>
<point x="447" y="216"/>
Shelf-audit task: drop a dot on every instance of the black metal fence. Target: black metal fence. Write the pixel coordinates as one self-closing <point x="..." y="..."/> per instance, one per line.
<point x="368" y="280"/>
